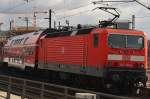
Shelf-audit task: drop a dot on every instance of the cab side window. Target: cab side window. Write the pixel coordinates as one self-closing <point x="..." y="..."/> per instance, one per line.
<point x="95" y="40"/>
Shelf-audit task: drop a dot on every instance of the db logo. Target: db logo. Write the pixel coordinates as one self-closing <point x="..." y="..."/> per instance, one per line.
<point x="126" y="58"/>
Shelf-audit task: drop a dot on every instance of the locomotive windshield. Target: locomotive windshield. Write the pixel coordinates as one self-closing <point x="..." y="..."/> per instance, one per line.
<point x="125" y="41"/>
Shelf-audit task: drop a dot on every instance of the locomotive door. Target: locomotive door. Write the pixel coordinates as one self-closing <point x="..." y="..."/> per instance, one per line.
<point x="97" y="50"/>
<point x="93" y="54"/>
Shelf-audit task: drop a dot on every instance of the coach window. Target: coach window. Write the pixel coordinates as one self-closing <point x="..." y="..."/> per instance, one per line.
<point x="17" y="41"/>
<point x="20" y="41"/>
<point x="95" y="40"/>
<point x="25" y="51"/>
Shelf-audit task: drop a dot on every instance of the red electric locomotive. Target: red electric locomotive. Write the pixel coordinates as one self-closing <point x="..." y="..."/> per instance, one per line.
<point x="113" y="56"/>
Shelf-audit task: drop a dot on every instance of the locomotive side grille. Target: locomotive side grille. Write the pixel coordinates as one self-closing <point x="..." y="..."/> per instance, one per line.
<point x="67" y="50"/>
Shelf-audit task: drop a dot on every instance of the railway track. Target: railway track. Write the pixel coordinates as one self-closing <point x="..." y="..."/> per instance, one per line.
<point x="34" y="89"/>
<point x="32" y="86"/>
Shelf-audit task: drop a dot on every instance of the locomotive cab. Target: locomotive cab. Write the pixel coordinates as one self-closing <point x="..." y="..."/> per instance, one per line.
<point x="127" y="57"/>
<point x="119" y="55"/>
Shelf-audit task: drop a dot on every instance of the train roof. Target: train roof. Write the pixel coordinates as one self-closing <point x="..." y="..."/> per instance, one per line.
<point x="25" y="39"/>
<point x="69" y="33"/>
<point x="32" y="38"/>
<point x="92" y="30"/>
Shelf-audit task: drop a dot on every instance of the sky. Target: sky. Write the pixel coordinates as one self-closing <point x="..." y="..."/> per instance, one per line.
<point x="76" y="11"/>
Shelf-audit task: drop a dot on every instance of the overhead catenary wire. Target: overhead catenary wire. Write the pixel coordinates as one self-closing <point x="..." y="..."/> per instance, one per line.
<point x="137" y="1"/>
<point x="84" y="5"/>
<point x="71" y="10"/>
<point x="142" y="17"/>
<point x="81" y="6"/>
<point x="86" y="11"/>
<point x="68" y="10"/>
<point x="75" y="8"/>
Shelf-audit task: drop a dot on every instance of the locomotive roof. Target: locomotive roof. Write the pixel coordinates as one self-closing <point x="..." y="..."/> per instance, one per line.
<point x="127" y="31"/>
<point x="68" y="33"/>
